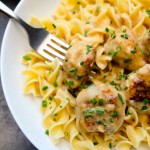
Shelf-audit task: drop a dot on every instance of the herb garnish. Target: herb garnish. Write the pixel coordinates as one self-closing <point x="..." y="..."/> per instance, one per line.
<point x="120" y="98"/>
<point x="106" y="29"/>
<point x="93" y="101"/>
<point x="45" y="88"/>
<point x="88" y="48"/>
<point x="115" y="113"/>
<point x="148" y="12"/>
<point x="26" y="57"/>
<point x="54" y="26"/>
<point x="44" y="103"/>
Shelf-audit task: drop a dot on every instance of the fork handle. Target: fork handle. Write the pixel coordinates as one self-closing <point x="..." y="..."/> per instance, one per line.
<point x="6" y="10"/>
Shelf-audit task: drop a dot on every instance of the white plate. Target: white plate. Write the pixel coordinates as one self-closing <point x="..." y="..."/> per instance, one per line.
<point x="25" y="109"/>
<point x="15" y="44"/>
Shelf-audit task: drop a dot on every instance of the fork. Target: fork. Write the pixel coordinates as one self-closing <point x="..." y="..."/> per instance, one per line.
<point x="46" y="44"/>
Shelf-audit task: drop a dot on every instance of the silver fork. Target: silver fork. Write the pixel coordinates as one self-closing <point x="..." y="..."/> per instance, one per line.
<point x="40" y="40"/>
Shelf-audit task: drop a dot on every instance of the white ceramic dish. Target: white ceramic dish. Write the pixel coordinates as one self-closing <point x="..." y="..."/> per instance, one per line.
<point x="25" y="109"/>
<point x="15" y="44"/>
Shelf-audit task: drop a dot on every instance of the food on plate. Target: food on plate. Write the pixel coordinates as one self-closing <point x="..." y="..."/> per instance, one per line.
<point x="99" y="98"/>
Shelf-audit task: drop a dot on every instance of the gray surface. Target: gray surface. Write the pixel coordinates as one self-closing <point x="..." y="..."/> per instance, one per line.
<point x="11" y="137"/>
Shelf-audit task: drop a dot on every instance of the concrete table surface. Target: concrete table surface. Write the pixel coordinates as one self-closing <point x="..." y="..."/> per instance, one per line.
<point x="11" y="137"/>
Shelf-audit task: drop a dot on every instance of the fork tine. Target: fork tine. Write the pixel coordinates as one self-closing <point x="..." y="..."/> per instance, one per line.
<point x="57" y="47"/>
<point x="59" y="41"/>
<point x="52" y="51"/>
<point x="48" y="56"/>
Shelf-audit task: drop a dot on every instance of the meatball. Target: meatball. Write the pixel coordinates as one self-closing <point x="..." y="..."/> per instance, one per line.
<point x="138" y="92"/>
<point x="145" y="46"/>
<point x="100" y="108"/>
<point x="79" y="58"/>
<point x="123" y="48"/>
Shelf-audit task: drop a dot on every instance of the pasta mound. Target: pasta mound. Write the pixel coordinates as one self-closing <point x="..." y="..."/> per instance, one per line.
<point x="118" y="33"/>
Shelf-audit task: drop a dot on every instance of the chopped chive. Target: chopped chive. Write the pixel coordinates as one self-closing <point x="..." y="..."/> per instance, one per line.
<point x="115" y="113"/>
<point x="54" y="26"/>
<point x="113" y="83"/>
<point x="79" y="78"/>
<point x="100" y="111"/>
<point x="45" y="88"/>
<point x="73" y="70"/>
<point x="55" y="84"/>
<point x="26" y="57"/>
<point x="78" y="3"/>
<point x="66" y="60"/>
<point x="100" y="102"/>
<point x="69" y="46"/>
<point x="125" y="76"/>
<point x="133" y="51"/>
<point x="87" y="22"/>
<point x="50" y="98"/>
<point x="120" y="77"/>
<point x="50" y="107"/>
<point x="93" y="101"/>
<point x="60" y="106"/>
<point x="148" y="12"/>
<point x="144" y="108"/>
<point x="110" y="52"/>
<point x="89" y="112"/>
<point x="129" y="112"/>
<point x="44" y="103"/>
<point x="104" y="124"/>
<point x="82" y="63"/>
<point x="85" y="34"/>
<point x="71" y="83"/>
<point x="120" y="98"/>
<point x="106" y="29"/>
<point x="67" y="99"/>
<point x="124" y="31"/>
<point x="146" y="101"/>
<point x="88" y="48"/>
<point x="55" y="114"/>
<point x="110" y="145"/>
<point x="111" y="120"/>
<point x="47" y="132"/>
<point x="113" y="35"/>
<point x="127" y="60"/>
<point x="118" y="48"/>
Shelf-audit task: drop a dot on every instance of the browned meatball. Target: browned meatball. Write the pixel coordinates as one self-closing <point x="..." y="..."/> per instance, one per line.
<point x="145" y="46"/>
<point x="138" y="93"/>
<point x="123" y="48"/>
<point x="79" y="58"/>
<point x="100" y="108"/>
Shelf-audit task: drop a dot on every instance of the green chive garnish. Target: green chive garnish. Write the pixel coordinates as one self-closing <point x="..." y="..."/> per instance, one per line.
<point x="133" y="51"/>
<point x="106" y="29"/>
<point x="47" y="132"/>
<point x="115" y="113"/>
<point x="100" y="102"/>
<point x="144" y="108"/>
<point x="82" y="63"/>
<point x="148" y="12"/>
<point x="100" y="111"/>
<point x="88" y="48"/>
<point x="71" y="83"/>
<point x="55" y="84"/>
<point x="110" y="145"/>
<point x="54" y="25"/>
<point x="120" y="98"/>
<point x="45" y="88"/>
<point x="146" y="101"/>
<point x="26" y="57"/>
<point x="44" y="103"/>
<point x="93" y="101"/>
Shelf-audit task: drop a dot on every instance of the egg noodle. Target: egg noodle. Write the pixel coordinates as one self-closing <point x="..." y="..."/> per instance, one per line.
<point x="93" y="21"/>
